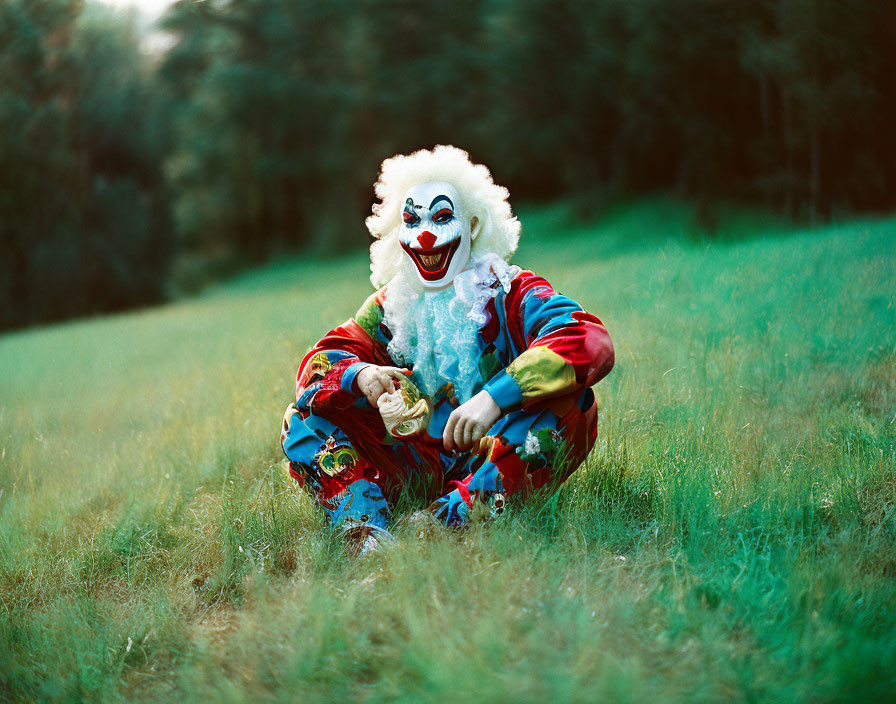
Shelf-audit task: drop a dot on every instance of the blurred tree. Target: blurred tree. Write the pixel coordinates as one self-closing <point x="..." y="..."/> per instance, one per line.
<point x="292" y="104"/>
<point x="82" y="208"/>
<point x="37" y="169"/>
<point x="263" y="127"/>
<point x="818" y="65"/>
<point x="118" y="131"/>
<point x="288" y="106"/>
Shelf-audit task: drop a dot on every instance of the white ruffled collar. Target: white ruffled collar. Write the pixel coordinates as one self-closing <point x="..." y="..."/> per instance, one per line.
<point x="436" y="330"/>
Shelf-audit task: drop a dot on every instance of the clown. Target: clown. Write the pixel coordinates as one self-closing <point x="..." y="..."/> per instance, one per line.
<point x="463" y="375"/>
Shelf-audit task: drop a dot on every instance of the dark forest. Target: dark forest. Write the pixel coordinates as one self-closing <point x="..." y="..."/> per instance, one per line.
<point x="130" y="175"/>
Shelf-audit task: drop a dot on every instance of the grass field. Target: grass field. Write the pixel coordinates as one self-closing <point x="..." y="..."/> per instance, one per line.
<point x="731" y="537"/>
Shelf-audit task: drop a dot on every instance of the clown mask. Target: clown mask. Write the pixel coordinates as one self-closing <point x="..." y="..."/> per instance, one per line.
<point x="435" y="232"/>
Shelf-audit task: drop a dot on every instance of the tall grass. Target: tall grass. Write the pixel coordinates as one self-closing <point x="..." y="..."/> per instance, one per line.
<point x="732" y="535"/>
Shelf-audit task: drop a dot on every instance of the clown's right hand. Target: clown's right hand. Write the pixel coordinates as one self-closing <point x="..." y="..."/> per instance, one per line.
<point x="373" y="381"/>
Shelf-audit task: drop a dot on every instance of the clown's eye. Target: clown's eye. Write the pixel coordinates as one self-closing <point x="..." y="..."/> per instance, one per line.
<point x="410" y="218"/>
<point x="444" y="215"/>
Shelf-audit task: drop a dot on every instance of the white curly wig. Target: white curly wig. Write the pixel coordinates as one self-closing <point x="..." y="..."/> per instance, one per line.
<point x="481" y="196"/>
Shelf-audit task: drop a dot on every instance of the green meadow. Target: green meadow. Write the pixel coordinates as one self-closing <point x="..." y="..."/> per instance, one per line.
<point x="732" y="536"/>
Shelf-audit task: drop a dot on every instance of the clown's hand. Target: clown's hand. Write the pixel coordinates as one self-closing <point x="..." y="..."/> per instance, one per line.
<point x="469" y="422"/>
<point x="373" y="381"/>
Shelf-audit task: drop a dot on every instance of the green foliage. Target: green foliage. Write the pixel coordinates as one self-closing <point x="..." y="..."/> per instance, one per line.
<point x="288" y="106"/>
<point x="731" y="536"/>
<point x="128" y="172"/>
<point x="83" y="224"/>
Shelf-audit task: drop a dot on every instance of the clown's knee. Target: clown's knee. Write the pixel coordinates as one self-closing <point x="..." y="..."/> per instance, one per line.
<point x="303" y="439"/>
<point x="298" y="438"/>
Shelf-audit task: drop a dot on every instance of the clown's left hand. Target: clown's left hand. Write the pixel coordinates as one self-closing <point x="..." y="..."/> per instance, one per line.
<point x="469" y="422"/>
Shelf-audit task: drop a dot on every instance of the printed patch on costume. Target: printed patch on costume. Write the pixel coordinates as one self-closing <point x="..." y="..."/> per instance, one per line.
<point x="445" y="392"/>
<point x="317" y="367"/>
<point x="489" y="364"/>
<point x="486" y="505"/>
<point x="370" y="315"/>
<point x="541" y="448"/>
<point x="334" y="459"/>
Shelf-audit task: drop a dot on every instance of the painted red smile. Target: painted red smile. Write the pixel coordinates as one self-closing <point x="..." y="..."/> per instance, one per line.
<point x="433" y="263"/>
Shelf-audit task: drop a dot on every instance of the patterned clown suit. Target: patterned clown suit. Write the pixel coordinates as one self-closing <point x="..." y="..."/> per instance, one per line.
<point x="540" y="353"/>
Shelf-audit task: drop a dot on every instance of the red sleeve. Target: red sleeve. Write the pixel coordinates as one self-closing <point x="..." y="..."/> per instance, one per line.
<point x="325" y="380"/>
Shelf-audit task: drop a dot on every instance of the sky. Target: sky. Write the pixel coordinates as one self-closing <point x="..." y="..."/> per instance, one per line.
<point x="151" y="8"/>
<point x="154" y="41"/>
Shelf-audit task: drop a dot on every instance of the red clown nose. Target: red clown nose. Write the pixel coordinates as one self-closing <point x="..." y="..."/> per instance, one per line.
<point x="426" y="240"/>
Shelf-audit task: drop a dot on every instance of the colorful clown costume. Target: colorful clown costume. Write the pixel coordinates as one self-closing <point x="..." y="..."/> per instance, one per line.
<point x="498" y="329"/>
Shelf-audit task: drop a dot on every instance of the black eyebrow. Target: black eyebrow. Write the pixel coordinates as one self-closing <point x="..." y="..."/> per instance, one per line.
<point x="438" y="198"/>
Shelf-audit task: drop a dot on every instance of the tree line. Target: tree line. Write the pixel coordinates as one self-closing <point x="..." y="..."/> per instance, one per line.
<point x="127" y="175"/>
